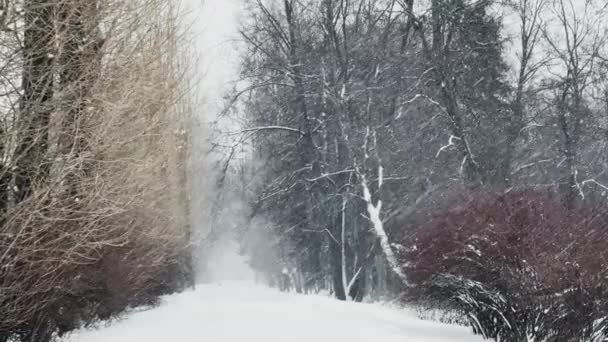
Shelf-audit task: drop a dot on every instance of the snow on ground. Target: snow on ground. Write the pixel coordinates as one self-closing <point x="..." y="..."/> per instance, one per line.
<point x="237" y="311"/>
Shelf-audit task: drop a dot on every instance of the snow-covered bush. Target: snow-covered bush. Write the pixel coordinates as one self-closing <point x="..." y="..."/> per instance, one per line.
<point x="519" y="265"/>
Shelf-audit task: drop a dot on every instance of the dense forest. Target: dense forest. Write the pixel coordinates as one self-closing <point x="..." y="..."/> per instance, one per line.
<point x="451" y="153"/>
<point x="94" y="145"/>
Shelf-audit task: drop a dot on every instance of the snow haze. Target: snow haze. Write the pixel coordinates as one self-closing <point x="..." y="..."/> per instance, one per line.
<point x="213" y="28"/>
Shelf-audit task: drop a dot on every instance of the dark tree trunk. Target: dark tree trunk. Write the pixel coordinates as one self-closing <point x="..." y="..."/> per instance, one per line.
<point x="80" y="63"/>
<point x="336" y="270"/>
<point x="35" y="107"/>
<point x="5" y="180"/>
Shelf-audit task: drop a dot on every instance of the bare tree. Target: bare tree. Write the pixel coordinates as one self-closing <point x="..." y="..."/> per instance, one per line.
<point x="94" y="149"/>
<point x="576" y="48"/>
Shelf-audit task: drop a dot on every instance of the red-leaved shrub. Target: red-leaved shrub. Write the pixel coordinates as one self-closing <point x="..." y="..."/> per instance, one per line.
<point x="518" y="265"/>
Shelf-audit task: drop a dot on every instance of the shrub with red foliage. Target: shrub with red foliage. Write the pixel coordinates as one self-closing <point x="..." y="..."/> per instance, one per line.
<point x="518" y="265"/>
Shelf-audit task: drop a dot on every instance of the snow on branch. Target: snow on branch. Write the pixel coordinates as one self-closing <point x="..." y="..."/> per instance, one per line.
<point x="330" y="174"/>
<point x="449" y="144"/>
<point x="595" y="182"/>
<point x="373" y="211"/>
<point x="582" y="184"/>
<point x="271" y="128"/>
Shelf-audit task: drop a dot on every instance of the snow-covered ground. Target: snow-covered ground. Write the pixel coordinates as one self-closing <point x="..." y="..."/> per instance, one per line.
<point x="240" y="311"/>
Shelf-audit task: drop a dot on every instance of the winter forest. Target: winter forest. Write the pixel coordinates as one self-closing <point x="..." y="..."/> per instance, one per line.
<point x="447" y="157"/>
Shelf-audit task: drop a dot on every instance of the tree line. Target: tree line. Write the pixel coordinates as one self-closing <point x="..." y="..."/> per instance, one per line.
<point x="94" y="143"/>
<point x="362" y="122"/>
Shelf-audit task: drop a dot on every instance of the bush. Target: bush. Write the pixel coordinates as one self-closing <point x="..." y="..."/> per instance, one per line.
<point x="519" y="265"/>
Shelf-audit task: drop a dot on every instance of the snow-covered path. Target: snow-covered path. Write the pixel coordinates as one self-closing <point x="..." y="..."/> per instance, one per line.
<point x="243" y="312"/>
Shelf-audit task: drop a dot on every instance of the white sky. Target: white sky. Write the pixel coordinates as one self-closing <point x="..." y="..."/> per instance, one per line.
<point x="214" y="29"/>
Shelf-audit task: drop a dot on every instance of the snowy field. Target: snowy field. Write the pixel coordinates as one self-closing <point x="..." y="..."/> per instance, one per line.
<point x="241" y="311"/>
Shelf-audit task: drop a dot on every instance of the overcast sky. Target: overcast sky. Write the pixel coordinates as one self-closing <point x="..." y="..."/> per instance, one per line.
<point x="214" y="28"/>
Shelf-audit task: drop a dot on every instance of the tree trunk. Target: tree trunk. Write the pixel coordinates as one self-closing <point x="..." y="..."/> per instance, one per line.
<point x="35" y="107"/>
<point x="335" y="262"/>
<point x="80" y="62"/>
